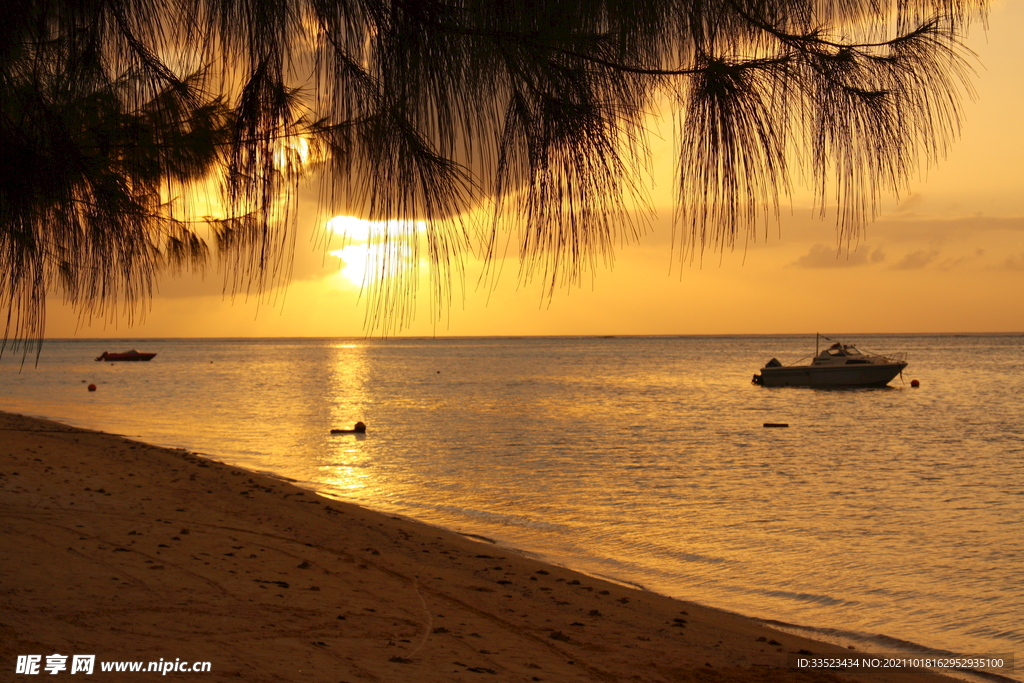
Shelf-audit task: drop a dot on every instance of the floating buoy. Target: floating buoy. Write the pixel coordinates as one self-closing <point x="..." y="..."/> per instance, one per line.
<point x="914" y="383"/>
<point x="776" y="424"/>
<point x="359" y="428"/>
<point x="92" y="387"/>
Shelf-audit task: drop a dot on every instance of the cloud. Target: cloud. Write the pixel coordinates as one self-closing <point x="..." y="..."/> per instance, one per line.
<point x="920" y="227"/>
<point x="1013" y="262"/>
<point x="903" y="224"/>
<point x="185" y="285"/>
<point x="822" y="256"/>
<point x="950" y="263"/>
<point x="907" y="205"/>
<point x="916" y="260"/>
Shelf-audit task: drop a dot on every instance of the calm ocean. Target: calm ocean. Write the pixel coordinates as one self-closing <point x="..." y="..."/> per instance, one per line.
<point x="879" y="516"/>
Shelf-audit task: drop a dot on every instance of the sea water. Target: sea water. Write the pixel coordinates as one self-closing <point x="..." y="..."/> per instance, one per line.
<point x="879" y="516"/>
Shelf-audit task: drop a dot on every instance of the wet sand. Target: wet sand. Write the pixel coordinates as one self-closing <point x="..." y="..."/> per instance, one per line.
<point x="132" y="552"/>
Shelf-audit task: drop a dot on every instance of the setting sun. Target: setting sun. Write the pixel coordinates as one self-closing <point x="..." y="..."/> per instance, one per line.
<point x="384" y="248"/>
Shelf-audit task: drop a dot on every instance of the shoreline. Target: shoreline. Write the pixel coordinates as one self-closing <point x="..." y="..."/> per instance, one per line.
<point x="129" y="551"/>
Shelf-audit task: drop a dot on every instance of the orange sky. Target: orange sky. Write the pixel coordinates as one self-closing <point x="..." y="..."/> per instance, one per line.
<point x="948" y="257"/>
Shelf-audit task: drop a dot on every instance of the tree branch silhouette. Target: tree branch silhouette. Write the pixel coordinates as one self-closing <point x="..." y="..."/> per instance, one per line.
<point x="428" y="110"/>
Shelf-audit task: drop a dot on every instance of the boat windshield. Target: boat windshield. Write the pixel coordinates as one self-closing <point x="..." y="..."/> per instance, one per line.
<point x="838" y="350"/>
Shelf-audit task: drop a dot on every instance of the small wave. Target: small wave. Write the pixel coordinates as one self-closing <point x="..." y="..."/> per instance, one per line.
<point x="808" y="597"/>
<point x="1012" y="635"/>
<point x="704" y="559"/>
<point x="484" y="515"/>
<point x="478" y="537"/>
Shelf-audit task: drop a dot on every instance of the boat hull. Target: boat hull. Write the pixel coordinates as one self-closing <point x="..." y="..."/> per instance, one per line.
<point x="873" y="375"/>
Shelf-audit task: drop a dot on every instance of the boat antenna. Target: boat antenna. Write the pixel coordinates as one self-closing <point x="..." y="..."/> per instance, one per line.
<point x="817" y="337"/>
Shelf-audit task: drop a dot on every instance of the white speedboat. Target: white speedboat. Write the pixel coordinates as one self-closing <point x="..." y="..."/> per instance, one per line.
<point x="840" y="365"/>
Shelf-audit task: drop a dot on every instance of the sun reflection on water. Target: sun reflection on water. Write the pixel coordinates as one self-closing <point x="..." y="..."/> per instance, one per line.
<point x="346" y="463"/>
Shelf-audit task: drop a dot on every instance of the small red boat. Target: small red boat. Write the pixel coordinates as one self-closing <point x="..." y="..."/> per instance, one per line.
<point x="127" y="355"/>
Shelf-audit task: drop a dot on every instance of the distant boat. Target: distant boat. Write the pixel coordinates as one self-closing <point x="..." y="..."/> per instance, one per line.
<point x="127" y="355"/>
<point x="838" y="366"/>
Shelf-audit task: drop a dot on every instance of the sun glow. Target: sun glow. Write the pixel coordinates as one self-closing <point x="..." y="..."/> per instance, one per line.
<point x="293" y="152"/>
<point x="383" y="248"/>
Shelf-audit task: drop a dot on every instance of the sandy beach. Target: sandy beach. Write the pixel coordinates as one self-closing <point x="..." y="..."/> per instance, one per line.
<point x="131" y="552"/>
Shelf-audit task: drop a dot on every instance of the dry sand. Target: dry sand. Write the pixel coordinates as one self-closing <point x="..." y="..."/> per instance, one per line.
<point x="127" y="551"/>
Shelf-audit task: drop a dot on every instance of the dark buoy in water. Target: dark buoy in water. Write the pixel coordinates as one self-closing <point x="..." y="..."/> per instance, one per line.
<point x="359" y="428"/>
<point x="776" y="424"/>
<point x="92" y="387"/>
<point x="914" y="383"/>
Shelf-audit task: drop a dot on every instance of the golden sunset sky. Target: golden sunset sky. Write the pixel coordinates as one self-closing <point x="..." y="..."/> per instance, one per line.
<point x="948" y="256"/>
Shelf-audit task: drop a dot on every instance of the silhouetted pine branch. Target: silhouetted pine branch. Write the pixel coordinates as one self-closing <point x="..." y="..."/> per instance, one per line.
<point x="116" y="117"/>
